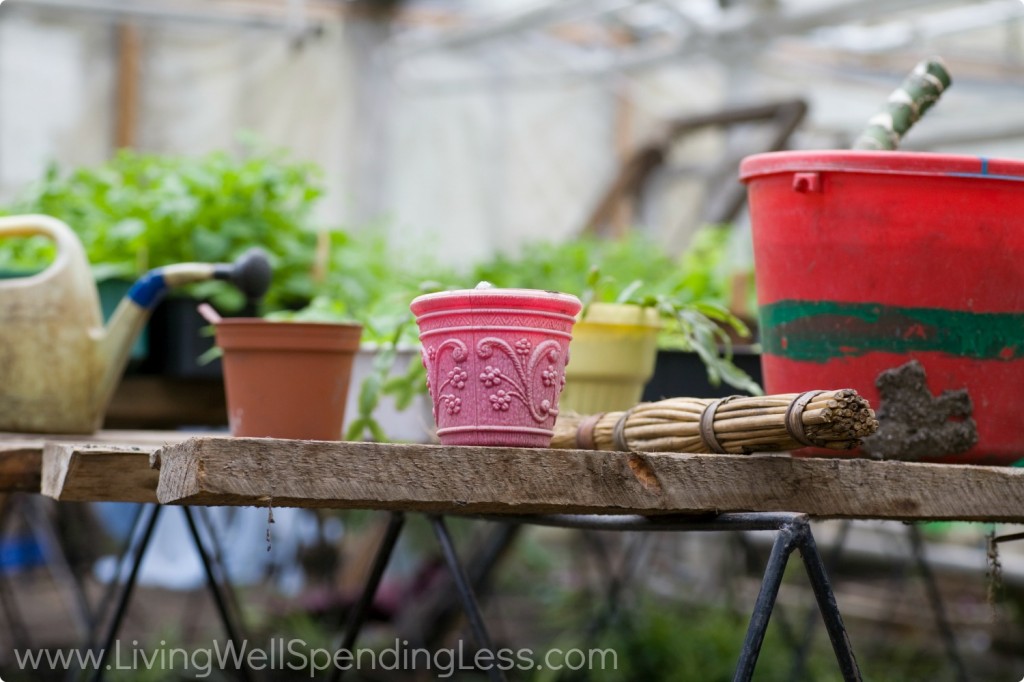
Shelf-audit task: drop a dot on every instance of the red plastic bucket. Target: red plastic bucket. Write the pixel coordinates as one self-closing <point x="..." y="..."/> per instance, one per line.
<point x="865" y="260"/>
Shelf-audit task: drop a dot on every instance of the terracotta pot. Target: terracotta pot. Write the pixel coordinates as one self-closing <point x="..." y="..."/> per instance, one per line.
<point x="287" y="379"/>
<point x="495" y="362"/>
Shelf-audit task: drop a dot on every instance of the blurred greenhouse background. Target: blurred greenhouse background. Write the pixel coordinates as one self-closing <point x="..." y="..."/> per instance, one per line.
<point x="481" y="125"/>
<point x="470" y="131"/>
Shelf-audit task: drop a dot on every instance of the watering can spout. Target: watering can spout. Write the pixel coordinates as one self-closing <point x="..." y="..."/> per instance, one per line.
<point x="250" y="273"/>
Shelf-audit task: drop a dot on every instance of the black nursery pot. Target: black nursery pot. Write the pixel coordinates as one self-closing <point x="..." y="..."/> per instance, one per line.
<point x="176" y="342"/>
<point x="682" y="374"/>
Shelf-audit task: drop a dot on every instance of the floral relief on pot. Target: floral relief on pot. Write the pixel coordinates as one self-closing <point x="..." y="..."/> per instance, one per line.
<point x="513" y="378"/>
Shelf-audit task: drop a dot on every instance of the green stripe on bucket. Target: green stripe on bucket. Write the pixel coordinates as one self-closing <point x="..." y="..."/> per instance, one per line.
<point x="820" y="331"/>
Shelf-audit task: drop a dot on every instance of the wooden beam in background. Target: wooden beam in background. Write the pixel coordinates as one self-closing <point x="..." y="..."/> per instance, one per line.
<point x="126" y="110"/>
<point x="624" y="212"/>
<point x="262" y="14"/>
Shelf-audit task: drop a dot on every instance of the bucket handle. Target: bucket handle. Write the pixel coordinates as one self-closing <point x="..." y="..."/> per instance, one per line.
<point x="31" y="225"/>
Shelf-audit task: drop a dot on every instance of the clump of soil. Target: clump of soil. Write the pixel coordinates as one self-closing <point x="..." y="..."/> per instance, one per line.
<point x="914" y="424"/>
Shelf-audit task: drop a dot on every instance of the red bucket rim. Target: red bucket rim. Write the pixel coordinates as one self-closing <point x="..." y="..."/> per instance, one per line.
<point x="875" y="162"/>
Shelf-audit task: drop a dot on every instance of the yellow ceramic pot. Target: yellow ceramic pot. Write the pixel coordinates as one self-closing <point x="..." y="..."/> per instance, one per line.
<point x="611" y="357"/>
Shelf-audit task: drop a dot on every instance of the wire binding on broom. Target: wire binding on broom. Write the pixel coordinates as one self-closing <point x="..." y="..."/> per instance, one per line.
<point x="836" y="420"/>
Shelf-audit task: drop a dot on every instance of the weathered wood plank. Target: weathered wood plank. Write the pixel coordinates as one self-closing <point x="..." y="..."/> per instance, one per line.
<point x="9" y="441"/>
<point x="20" y="462"/>
<point x="21" y="454"/>
<point x="253" y="471"/>
<point x="82" y="472"/>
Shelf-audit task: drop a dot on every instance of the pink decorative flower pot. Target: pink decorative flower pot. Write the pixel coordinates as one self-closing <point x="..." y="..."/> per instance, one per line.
<point x="495" y="362"/>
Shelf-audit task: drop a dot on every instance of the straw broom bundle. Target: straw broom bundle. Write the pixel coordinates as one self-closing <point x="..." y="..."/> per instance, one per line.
<point x="836" y="420"/>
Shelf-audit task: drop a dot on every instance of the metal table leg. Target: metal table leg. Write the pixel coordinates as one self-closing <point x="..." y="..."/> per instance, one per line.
<point x="122" y="599"/>
<point x="217" y="590"/>
<point x="19" y="633"/>
<point x="357" y="616"/>
<point x="935" y="599"/>
<point x="42" y="527"/>
<point x="119" y="592"/>
<point x="803" y="647"/>
<point x="428" y="622"/>
<point x="466" y="595"/>
<point x="794" y="533"/>
<point x="217" y="560"/>
<point x="826" y="601"/>
<point x="785" y="543"/>
<point x="463" y="586"/>
<point x="931" y="589"/>
<point x="97" y="616"/>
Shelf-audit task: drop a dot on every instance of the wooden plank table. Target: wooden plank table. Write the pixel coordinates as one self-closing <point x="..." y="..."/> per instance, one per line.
<point x="22" y="456"/>
<point x="664" y="491"/>
<point x="474" y="480"/>
<point x="176" y="467"/>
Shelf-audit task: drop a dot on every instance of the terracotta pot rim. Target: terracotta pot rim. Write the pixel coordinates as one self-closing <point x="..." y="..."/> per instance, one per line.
<point x="260" y="322"/>
<point x="254" y="334"/>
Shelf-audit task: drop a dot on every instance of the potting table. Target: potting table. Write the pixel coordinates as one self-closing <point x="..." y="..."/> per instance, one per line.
<point x="116" y="470"/>
<point x="573" y="488"/>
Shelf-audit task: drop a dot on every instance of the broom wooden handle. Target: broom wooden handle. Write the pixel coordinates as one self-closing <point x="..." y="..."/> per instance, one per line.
<point x="906" y="105"/>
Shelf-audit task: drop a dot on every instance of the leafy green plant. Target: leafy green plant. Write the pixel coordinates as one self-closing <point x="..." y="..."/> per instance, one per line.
<point x="690" y="294"/>
<point x="566" y="266"/>
<point x="139" y="211"/>
<point x="370" y="281"/>
<point x="403" y="388"/>
<point x="700" y="327"/>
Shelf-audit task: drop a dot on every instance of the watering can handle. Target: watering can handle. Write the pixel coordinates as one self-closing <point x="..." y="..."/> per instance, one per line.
<point x="30" y="225"/>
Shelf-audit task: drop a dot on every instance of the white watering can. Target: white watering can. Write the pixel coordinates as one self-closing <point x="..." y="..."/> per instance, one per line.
<point x="59" y="365"/>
